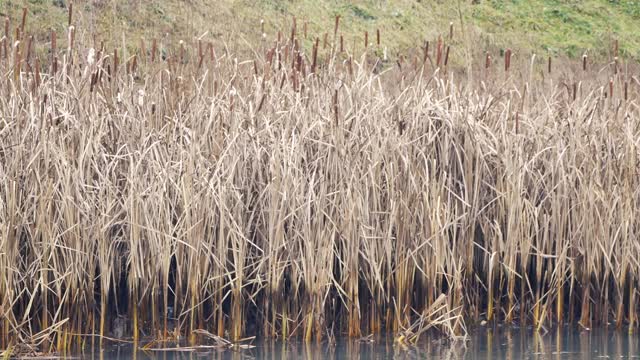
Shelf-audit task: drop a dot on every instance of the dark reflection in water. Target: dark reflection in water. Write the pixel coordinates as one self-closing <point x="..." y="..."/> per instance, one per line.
<point x="484" y="343"/>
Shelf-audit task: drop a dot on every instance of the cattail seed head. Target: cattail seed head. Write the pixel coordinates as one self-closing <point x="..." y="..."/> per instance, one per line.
<point x="91" y="56"/>
<point x="70" y="13"/>
<point x="507" y="60"/>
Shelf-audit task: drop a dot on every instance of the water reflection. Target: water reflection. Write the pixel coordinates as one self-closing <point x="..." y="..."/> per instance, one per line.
<point x="484" y="343"/>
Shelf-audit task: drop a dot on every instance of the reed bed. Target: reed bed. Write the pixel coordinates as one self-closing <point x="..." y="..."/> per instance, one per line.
<point x="310" y="192"/>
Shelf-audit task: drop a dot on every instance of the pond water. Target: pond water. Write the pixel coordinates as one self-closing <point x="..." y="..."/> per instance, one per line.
<point x="484" y="343"/>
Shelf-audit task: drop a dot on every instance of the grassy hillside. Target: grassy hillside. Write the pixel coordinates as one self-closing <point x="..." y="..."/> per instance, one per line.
<point x="557" y="26"/>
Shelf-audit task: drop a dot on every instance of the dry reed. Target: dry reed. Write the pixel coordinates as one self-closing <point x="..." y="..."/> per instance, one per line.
<point x="243" y="197"/>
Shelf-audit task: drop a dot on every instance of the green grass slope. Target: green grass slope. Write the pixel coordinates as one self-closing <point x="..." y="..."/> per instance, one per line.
<point x="556" y="26"/>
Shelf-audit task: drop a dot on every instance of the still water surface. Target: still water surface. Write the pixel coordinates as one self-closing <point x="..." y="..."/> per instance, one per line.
<point x="499" y="343"/>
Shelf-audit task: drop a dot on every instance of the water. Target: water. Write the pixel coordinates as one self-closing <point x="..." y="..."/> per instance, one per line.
<point x="499" y="343"/>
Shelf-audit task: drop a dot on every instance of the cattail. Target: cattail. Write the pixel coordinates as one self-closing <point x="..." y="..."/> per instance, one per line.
<point x="294" y="52"/>
<point x="17" y="60"/>
<point x="6" y="28"/>
<point x="487" y="61"/>
<point x="314" y="56"/>
<point x="611" y="88"/>
<point x="439" y="51"/>
<point x="24" y="20"/>
<point x="335" y="106"/>
<point x="115" y="64"/>
<point x="294" y="80"/>
<point x="143" y="50"/>
<point x="626" y="90"/>
<point x="72" y="36"/>
<point x="304" y="29"/>
<point x="70" y="12"/>
<point x="450" y="31"/>
<point x="212" y="53"/>
<point x="262" y="26"/>
<point x="426" y="52"/>
<point x="575" y="91"/>
<point x="37" y="72"/>
<point x="182" y="52"/>
<point x="507" y="60"/>
<point x="335" y="27"/>
<point x="134" y="63"/>
<point x="293" y="30"/>
<point x="366" y="40"/>
<point x="350" y="65"/>
<point x="141" y="94"/>
<point x="28" y="57"/>
<point x="549" y="65"/>
<point x="615" y="48"/>
<point x="154" y="49"/>
<point x="325" y="41"/>
<point x="341" y="43"/>
<point x="91" y="56"/>
<point x="584" y="62"/>
<point x="446" y="56"/>
<point x="378" y="37"/>
<point x="270" y="54"/>
<point x="615" y="65"/>
<point x="54" y="58"/>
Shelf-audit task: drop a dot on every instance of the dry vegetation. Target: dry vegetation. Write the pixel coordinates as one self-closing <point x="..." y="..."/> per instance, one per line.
<point x="310" y="194"/>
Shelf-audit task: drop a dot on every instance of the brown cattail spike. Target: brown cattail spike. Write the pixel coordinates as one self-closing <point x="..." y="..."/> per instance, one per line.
<point x="626" y="90"/>
<point x="314" y="57"/>
<point x="341" y="43"/>
<point x="378" y="37"/>
<point x="212" y="53"/>
<point x="24" y="20"/>
<point x="487" y="61"/>
<point x="584" y="62"/>
<point x="337" y="24"/>
<point x="611" y="88"/>
<point x="293" y="30"/>
<point x="6" y="27"/>
<point x="450" y="31"/>
<point x="154" y="49"/>
<point x="143" y="51"/>
<point x="366" y="40"/>
<point x="425" y="56"/>
<point x="335" y="107"/>
<point x="439" y="51"/>
<point x="507" y="60"/>
<point x="70" y="12"/>
<point x="446" y="56"/>
<point x="37" y="73"/>
<point x="549" y="65"/>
